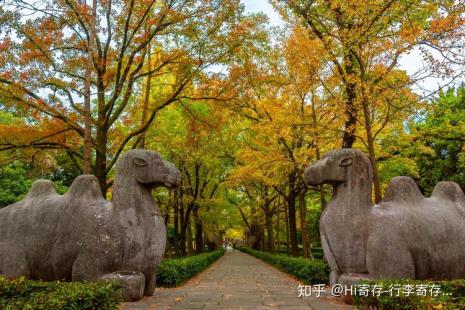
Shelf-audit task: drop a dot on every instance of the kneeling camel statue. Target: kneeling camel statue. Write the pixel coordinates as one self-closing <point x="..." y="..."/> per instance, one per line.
<point x="405" y="236"/>
<point x="80" y="236"/>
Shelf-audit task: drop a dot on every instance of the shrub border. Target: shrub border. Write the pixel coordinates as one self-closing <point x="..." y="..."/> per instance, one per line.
<point x="306" y="270"/>
<point x="174" y="272"/>
<point x="452" y="295"/>
<point x="22" y="293"/>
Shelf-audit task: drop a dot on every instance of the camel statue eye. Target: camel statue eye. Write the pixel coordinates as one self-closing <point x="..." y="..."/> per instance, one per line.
<point x="139" y="161"/>
<point x="346" y="161"/>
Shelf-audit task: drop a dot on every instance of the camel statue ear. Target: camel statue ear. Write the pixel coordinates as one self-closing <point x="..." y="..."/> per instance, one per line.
<point x="346" y="161"/>
<point x="139" y="161"/>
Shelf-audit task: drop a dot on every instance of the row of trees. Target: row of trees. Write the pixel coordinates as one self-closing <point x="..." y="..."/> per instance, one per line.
<point x="431" y="151"/>
<point x="240" y="108"/>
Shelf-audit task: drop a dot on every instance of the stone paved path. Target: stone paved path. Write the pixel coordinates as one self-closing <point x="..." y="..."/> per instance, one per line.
<point x="236" y="281"/>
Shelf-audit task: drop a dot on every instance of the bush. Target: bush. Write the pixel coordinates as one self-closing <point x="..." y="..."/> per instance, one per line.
<point x="27" y="294"/>
<point x="13" y="183"/>
<point x="316" y="252"/>
<point x="309" y="271"/>
<point x="174" y="272"/>
<point x="451" y="296"/>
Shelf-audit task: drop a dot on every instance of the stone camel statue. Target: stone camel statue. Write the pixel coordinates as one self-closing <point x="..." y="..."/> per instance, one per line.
<point x="405" y="236"/>
<point x="79" y="236"/>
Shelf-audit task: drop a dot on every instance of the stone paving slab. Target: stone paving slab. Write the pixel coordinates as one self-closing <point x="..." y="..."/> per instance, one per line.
<point x="237" y="281"/>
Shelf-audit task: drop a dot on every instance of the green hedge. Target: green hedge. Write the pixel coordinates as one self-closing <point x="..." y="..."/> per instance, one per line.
<point x="316" y="252"/>
<point x="173" y="272"/>
<point x="451" y="296"/>
<point x="27" y="294"/>
<point x="309" y="271"/>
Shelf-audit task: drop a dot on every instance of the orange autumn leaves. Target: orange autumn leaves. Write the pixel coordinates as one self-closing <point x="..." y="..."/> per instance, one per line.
<point x="289" y="95"/>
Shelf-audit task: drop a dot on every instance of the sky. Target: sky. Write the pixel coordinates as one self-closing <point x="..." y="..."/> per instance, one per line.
<point x="410" y="63"/>
<point x="255" y="6"/>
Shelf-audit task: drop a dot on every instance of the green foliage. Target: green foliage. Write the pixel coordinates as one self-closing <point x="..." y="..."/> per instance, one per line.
<point x="441" y="133"/>
<point x="64" y="173"/>
<point x="314" y="211"/>
<point x="5" y="117"/>
<point x="316" y="252"/>
<point x="309" y="271"/>
<point x="27" y="294"/>
<point x="396" y="166"/>
<point x="174" y="272"/>
<point x="13" y="183"/>
<point x="451" y="296"/>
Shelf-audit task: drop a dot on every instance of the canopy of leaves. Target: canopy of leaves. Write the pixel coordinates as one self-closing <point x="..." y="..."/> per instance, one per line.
<point x="441" y="131"/>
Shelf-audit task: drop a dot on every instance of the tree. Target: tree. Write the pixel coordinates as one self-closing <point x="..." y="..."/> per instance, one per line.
<point x="47" y="58"/>
<point x="439" y="133"/>
<point x="193" y="135"/>
<point x="287" y="117"/>
<point x="13" y="183"/>
<point x="16" y="134"/>
<point x="365" y="38"/>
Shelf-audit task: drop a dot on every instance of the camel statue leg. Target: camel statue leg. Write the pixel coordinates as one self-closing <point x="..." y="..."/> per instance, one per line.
<point x="150" y="282"/>
<point x="334" y="277"/>
<point x="15" y="264"/>
<point x="335" y="271"/>
<point x="132" y="283"/>
<point x="87" y="268"/>
<point x="350" y="279"/>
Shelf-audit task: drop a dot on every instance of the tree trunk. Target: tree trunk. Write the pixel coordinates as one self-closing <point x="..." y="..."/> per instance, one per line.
<point x="183" y="226"/>
<point x="269" y="232"/>
<point x="292" y="223"/>
<point x="198" y="231"/>
<point x="286" y="218"/>
<point x="350" y="109"/>
<point x="169" y="244"/>
<point x="182" y="243"/>
<point x="145" y="107"/>
<point x="167" y="213"/>
<point x="303" y="224"/>
<point x="371" y="152"/>
<point x="168" y="249"/>
<point x="190" y="250"/>
<point x="86" y="169"/>
<point x="87" y="158"/>
<point x="177" y="234"/>
<point x="262" y="239"/>
<point x="278" y="242"/>
<point x="318" y="154"/>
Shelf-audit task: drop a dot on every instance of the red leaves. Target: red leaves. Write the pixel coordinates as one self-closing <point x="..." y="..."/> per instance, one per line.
<point x="7" y="75"/>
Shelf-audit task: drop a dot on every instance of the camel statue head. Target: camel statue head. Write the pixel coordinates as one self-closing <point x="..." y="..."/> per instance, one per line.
<point x="148" y="169"/>
<point x="339" y="166"/>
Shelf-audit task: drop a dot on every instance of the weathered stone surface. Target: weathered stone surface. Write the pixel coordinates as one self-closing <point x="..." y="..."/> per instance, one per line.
<point x="132" y="283"/>
<point x="80" y="236"/>
<point x="405" y="236"/>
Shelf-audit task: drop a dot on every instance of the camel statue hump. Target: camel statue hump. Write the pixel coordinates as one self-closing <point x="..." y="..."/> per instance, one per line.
<point x="41" y="188"/>
<point x="449" y="191"/>
<point x="85" y="187"/>
<point x="403" y="190"/>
